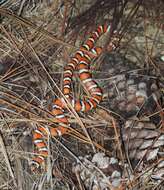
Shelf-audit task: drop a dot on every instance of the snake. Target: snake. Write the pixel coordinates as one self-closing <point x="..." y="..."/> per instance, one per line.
<point x="81" y="62"/>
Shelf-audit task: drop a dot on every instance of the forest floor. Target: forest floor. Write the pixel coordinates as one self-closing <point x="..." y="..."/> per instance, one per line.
<point x="120" y="144"/>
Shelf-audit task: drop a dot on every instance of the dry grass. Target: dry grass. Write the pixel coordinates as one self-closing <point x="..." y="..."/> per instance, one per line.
<point x="37" y="39"/>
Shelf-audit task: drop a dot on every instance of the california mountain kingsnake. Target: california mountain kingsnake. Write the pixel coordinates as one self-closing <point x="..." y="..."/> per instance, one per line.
<point x="81" y="62"/>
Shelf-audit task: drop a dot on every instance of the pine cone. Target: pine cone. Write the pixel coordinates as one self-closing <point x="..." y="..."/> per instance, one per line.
<point x="129" y="92"/>
<point x="142" y="141"/>
<point x="99" y="171"/>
